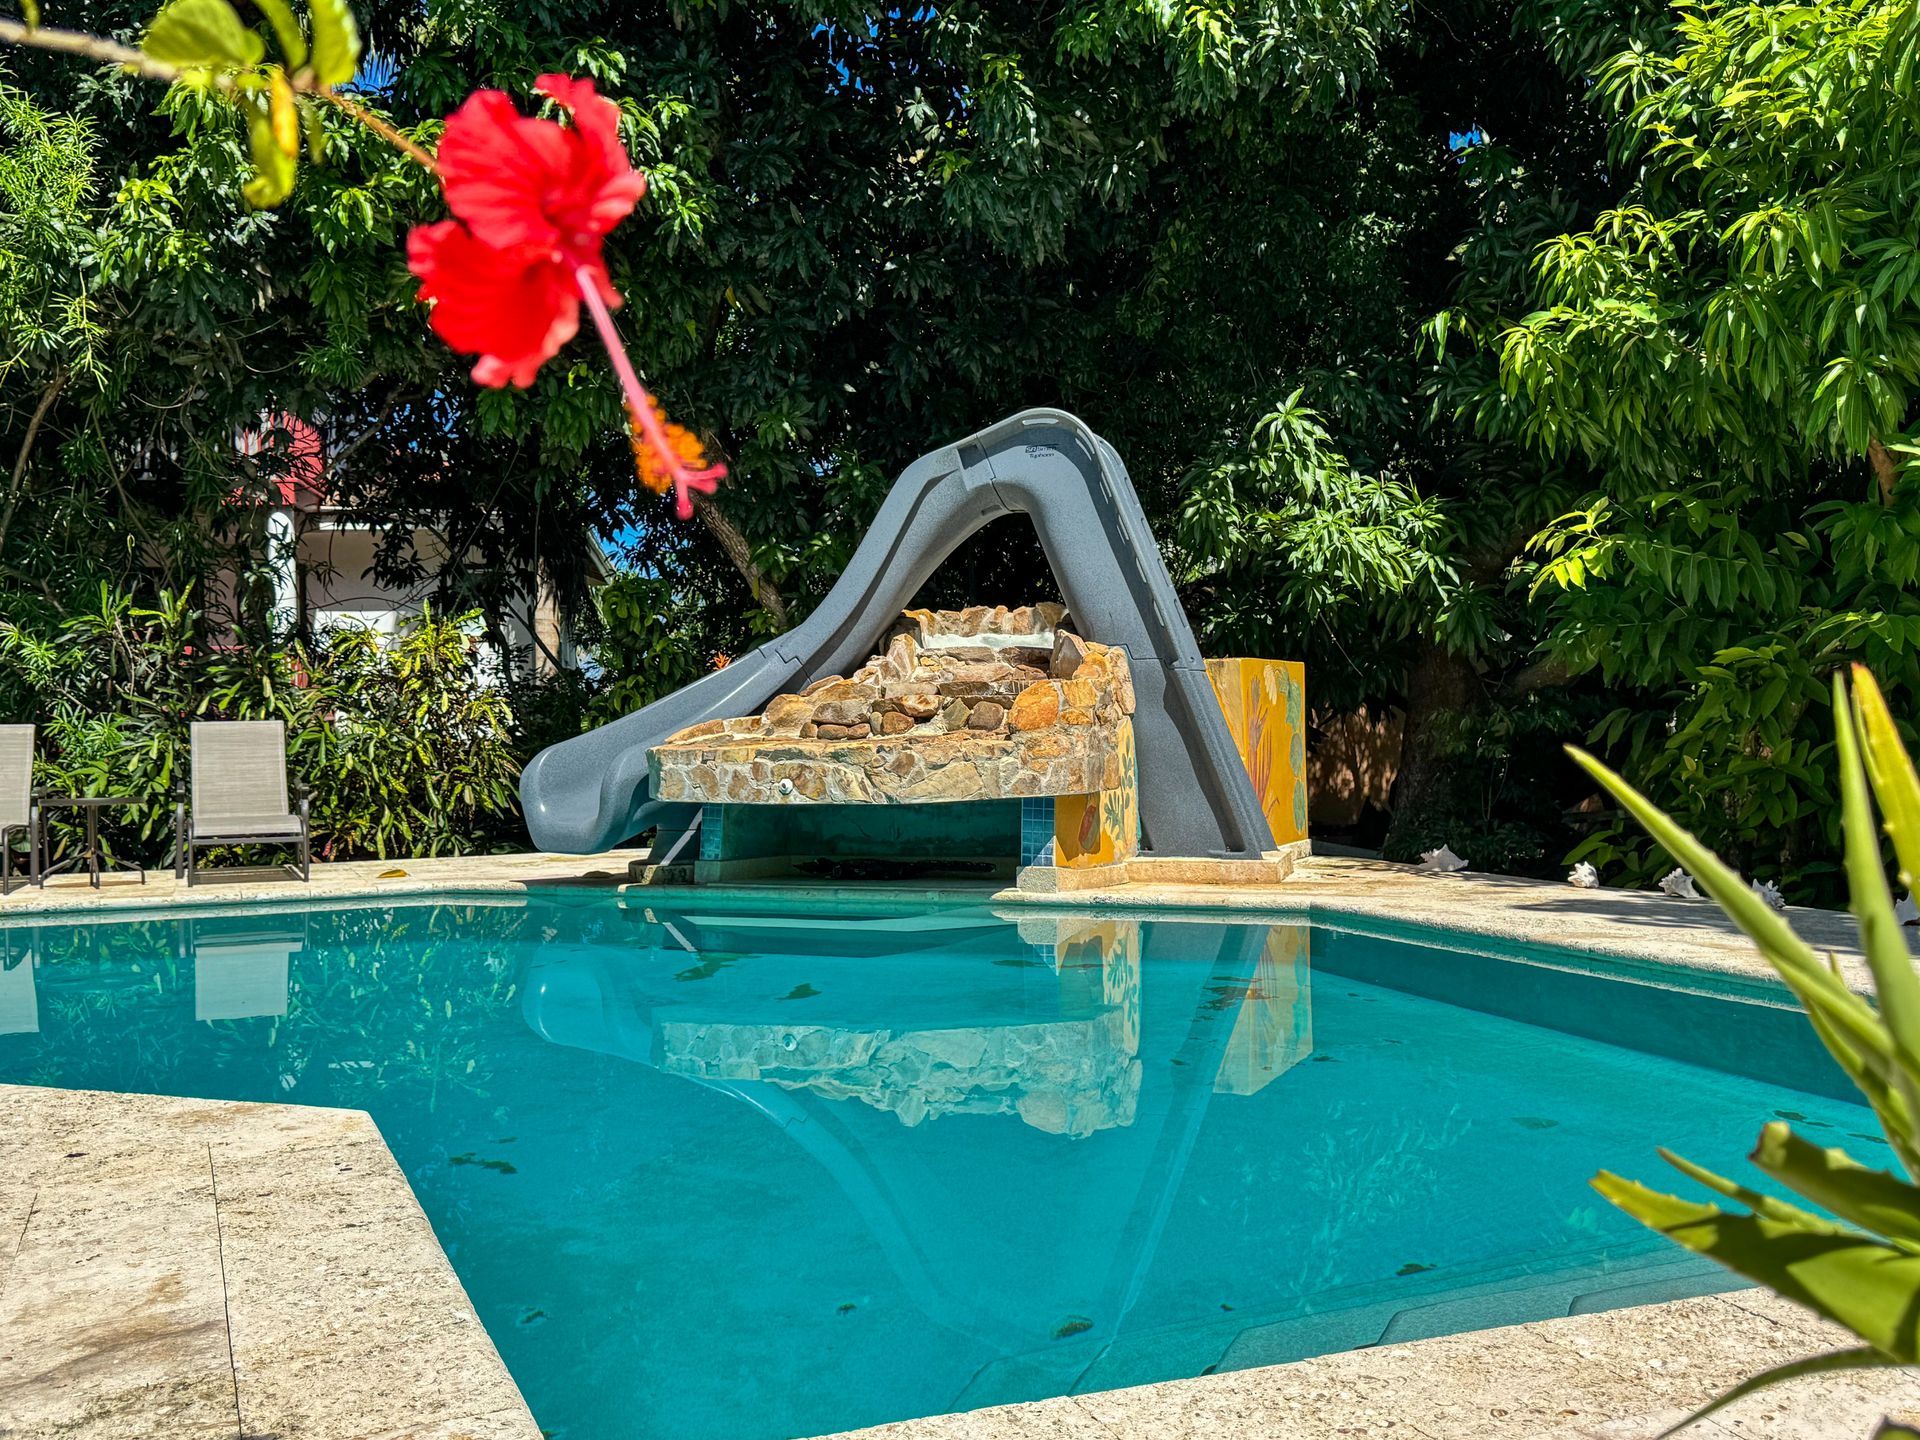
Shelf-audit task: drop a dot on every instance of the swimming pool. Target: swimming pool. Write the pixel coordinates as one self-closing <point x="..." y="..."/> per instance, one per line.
<point x="712" y="1168"/>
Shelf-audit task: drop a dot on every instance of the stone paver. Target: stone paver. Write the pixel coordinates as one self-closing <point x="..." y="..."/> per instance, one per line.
<point x="198" y="1268"/>
<point x="350" y="881"/>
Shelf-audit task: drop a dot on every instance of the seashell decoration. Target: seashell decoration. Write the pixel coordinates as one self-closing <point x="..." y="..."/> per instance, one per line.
<point x="1906" y="912"/>
<point x="1584" y="877"/>
<point x="1769" y="892"/>
<point x="1679" y="885"/>
<point x="1442" y="861"/>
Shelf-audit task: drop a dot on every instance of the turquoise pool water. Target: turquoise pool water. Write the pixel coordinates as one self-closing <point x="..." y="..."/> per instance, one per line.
<point x="720" y="1172"/>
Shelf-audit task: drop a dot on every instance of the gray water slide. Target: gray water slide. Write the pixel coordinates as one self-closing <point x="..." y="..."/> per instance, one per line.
<point x="591" y="792"/>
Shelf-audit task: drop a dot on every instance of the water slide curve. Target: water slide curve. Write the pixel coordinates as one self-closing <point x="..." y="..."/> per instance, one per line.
<point x="592" y="792"/>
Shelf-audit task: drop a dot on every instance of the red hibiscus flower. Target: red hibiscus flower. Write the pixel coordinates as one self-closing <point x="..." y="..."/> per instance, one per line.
<point x="533" y="202"/>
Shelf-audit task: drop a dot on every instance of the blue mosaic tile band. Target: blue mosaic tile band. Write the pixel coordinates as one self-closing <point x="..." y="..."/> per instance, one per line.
<point x="1036" y="830"/>
<point x="712" y="821"/>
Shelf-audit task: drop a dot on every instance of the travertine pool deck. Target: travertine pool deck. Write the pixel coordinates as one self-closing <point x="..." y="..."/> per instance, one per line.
<point x="194" y="1268"/>
<point x="189" y="1268"/>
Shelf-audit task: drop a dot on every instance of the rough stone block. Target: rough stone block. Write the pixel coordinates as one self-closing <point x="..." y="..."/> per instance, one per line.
<point x="841" y="712"/>
<point x="919" y="706"/>
<point x="785" y="714"/>
<point x="1069" y="652"/>
<point x="986" y="715"/>
<point x="1035" y="708"/>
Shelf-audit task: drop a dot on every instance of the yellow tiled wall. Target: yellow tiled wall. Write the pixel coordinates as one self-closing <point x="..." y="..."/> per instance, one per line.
<point x="1265" y="702"/>
<point x="1101" y="829"/>
<point x="1274" y="1029"/>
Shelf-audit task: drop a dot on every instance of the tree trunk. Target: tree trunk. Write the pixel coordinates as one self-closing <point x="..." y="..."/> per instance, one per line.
<point x="764" y="591"/>
<point x="1432" y="786"/>
<point x="47" y="397"/>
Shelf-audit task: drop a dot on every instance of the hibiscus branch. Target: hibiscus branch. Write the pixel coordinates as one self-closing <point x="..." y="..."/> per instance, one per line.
<point x="352" y="108"/>
<point x="111" y="52"/>
<point x="76" y="42"/>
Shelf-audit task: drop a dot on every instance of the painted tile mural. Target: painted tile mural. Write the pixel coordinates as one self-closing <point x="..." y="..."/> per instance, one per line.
<point x="1274" y="1029"/>
<point x="1101" y="829"/>
<point x="1265" y="702"/>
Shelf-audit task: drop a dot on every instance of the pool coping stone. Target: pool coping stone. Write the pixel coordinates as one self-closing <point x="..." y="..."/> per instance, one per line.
<point x="214" y="1268"/>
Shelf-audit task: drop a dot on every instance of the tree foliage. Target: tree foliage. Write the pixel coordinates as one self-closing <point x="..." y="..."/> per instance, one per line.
<point x="1591" y="415"/>
<point x="1730" y="355"/>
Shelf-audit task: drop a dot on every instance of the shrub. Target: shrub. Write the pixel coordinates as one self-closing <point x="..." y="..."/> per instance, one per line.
<point x="405" y="748"/>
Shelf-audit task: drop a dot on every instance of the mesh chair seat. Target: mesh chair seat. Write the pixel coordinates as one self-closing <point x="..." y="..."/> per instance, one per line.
<point x="16" y="776"/>
<point x="239" y="792"/>
<point x="239" y="828"/>
<point x="17" y="820"/>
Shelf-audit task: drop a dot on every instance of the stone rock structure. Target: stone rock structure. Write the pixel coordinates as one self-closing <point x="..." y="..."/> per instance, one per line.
<point x="1066" y="1077"/>
<point x="970" y="705"/>
<point x="1074" y="1076"/>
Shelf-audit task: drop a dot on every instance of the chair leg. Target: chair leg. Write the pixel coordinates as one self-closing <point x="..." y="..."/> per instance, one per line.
<point x="189" y="850"/>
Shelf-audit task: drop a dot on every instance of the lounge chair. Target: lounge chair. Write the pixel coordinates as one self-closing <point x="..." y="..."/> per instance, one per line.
<point x="239" y="794"/>
<point x="19" y="814"/>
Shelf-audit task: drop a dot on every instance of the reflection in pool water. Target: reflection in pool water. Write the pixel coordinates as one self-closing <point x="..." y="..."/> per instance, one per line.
<point x="712" y="1171"/>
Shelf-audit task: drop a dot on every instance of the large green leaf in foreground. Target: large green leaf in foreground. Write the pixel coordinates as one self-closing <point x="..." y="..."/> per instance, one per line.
<point x="1857" y="1260"/>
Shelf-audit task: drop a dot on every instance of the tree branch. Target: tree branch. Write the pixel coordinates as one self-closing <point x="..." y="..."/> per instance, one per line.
<point x="1543" y="674"/>
<point x="1886" y="469"/>
<point x="93" y="47"/>
<point x="353" y="109"/>
<point x="75" y="42"/>
<point x="47" y="397"/>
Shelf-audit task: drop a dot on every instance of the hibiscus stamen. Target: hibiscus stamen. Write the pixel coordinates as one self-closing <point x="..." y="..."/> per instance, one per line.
<point x="644" y="411"/>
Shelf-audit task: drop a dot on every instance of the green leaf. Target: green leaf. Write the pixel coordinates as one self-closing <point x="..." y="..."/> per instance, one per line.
<point x="1770" y="1206"/>
<point x="1842" y="1013"/>
<point x="1871" y="1199"/>
<point x="30" y="12"/>
<point x="286" y="29"/>
<point x="336" y="42"/>
<point x="274" y="165"/>
<point x="1894" y="1430"/>
<point x="1895" y="985"/>
<point x="1852" y="1279"/>
<point x="1830" y="1363"/>
<point x="1895" y="783"/>
<point x="202" y="35"/>
<point x="316" y="132"/>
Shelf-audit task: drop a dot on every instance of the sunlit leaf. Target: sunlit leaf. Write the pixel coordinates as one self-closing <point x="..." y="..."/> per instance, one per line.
<point x="1851" y="1278"/>
<point x="1895" y="784"/>
<point x="1871" y="1199"/>
<point x="336" y="42"/>
<point x="202" y="35"/>
<point x="274" y="165"/>
<point x="283" y="113"/>
<point x="1895" y="984"/>
<point x="286" y="29"/>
